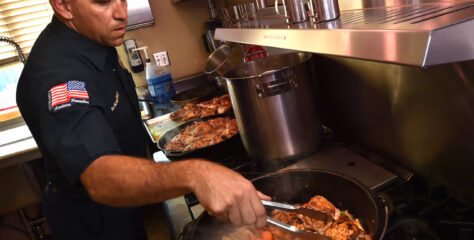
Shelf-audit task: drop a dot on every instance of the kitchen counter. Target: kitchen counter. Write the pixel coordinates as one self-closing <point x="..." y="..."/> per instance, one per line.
<point x="16" y="143"/>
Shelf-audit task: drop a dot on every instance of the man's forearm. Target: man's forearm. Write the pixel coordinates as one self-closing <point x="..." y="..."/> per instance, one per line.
<point x="129" y="181"/>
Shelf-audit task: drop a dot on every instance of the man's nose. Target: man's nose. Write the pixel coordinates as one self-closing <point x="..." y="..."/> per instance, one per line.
<point x="120" y="10"/>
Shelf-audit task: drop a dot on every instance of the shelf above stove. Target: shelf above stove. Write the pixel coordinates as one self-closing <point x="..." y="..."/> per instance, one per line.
<point x="423" y="34"/>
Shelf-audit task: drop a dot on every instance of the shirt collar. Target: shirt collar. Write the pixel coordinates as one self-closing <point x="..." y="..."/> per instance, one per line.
<point x="93" y="51"/>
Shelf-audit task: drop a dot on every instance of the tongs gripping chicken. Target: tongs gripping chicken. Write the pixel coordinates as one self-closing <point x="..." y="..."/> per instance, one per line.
<point x="316" y="220"/>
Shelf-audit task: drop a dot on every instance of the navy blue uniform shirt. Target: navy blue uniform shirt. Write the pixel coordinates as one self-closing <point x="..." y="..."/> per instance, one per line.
<point x="79" y="104"/>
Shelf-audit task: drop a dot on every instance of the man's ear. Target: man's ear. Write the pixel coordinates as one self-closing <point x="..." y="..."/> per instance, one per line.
<point x="62" y="8"/>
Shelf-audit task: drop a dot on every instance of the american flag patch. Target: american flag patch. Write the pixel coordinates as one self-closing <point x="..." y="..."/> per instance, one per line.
<point x="67" y="94"/>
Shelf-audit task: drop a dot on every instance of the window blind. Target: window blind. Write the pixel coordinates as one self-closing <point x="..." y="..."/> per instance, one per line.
<point x="22" y="21"/>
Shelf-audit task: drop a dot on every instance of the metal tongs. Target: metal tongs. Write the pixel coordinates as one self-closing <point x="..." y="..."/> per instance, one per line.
<point x="309" y="212"/>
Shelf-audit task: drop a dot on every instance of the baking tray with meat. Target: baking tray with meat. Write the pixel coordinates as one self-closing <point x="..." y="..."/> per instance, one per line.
<point x="214" y="144"/>
<point x="158" y="126"/>
<point x="214" y="106"/>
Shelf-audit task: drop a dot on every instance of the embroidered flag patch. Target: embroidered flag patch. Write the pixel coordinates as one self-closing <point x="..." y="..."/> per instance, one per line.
<point x="67" y="94"/>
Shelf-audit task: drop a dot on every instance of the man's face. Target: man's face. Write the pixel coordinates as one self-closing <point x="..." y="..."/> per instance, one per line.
<point x="102" y="21"/>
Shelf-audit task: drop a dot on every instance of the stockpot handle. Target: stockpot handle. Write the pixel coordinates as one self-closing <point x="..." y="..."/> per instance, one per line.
<point x="284" y="10"/>
<point x="311" y="11"/>
<point x="274" y="82"/>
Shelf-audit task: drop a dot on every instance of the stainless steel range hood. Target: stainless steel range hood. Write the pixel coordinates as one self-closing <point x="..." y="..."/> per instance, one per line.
<point x="418" y="32"/>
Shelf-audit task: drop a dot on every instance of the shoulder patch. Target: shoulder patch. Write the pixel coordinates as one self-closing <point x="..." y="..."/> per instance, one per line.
<point x="64" y="96"/>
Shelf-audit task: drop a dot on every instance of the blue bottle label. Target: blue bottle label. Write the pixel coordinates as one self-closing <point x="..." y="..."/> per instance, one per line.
<point x="161" y="88"/>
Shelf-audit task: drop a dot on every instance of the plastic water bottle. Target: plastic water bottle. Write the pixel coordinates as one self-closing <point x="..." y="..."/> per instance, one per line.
<point x="159" y="80"/>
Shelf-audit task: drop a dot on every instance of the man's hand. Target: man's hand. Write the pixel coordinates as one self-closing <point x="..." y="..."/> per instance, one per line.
<point x="228" y="196"/>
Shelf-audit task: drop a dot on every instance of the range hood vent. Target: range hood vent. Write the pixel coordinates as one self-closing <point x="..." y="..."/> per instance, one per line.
<point x="423" y="34"/>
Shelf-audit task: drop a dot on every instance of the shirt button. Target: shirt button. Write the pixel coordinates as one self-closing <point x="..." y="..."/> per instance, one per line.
<point x="113" y="69"/>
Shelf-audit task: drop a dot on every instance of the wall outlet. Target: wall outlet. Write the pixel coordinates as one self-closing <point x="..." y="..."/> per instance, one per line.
<point x="161" y="59"/>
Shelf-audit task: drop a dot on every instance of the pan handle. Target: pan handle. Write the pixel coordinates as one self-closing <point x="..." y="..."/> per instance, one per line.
<point x="386" y="205"/>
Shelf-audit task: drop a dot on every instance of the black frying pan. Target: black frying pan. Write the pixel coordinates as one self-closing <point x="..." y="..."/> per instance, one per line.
<point x="214" y="152"/>
<point x="298" y="186"/>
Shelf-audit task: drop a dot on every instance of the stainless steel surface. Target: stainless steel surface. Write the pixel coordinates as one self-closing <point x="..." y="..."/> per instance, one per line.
<point x="260" y="4"/>
<point x="145" y="109"/>
<point x="418" y="33"/>
<point x="307" y="212"/>
<point x="343" y="161"/>
<point x="296" y="232"/>
<point x="139" y="14"/>
<point x="223" y="59"/>
<point x="293" y="11"/>
<point x="192" y="81"/>
<point x="277" y="119"/>
<point x="221" y="83"/>
<point x="421" y="118"/>
<point x="323" y="10"/>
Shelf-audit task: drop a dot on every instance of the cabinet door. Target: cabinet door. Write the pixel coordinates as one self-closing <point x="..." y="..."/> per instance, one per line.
<point x="139" y="14"/>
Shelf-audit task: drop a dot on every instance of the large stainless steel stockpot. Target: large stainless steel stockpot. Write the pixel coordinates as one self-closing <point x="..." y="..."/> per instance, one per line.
<point x="275" y="107"/>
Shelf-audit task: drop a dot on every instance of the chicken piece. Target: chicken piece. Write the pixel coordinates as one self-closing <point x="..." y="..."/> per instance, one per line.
<point x="201" y="128"/>
<point x="206" y="112"/>
<point x="181" y="112"/>
<point x="223" y="109"/>
<point x="290" y="218"/>
<point x="191" y="114"/>
<point x="215" y="103"/>
<point x="344" y="229"/>
<point x="317" y="225"/>
<point x="320" y="203"/>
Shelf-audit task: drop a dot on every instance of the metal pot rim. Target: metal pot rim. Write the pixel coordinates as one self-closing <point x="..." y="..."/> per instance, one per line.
<point x="306" y="57"/>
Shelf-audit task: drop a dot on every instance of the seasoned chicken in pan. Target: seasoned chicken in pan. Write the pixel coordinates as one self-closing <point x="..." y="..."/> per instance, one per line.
<point x="203" y="133"/>
<point x="342" y="226"/>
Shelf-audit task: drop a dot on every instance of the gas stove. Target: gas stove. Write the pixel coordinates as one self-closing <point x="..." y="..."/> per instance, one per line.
<point x="425" y="212"/>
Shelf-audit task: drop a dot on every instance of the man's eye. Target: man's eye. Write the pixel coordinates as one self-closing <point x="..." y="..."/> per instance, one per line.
<point x="103" y="1"/>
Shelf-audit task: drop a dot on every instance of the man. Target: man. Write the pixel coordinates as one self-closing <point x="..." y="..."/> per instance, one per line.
<point x="82" y="110"/>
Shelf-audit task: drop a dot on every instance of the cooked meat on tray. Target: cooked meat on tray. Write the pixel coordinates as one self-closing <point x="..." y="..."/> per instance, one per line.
<point x="342" y="228"/>
<point x="217" y="105"/>
<point x="203" y="133"/>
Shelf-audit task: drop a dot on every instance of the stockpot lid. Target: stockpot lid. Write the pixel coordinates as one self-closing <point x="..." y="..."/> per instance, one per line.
<point x="217" y="59"/>
<point x="267" y="65"/>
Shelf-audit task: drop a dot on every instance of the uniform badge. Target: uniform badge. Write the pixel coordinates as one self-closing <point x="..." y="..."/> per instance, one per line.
<point x="64" y="96"/>
<point x="116" y="101"/>
<point x="121" y="63"/>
